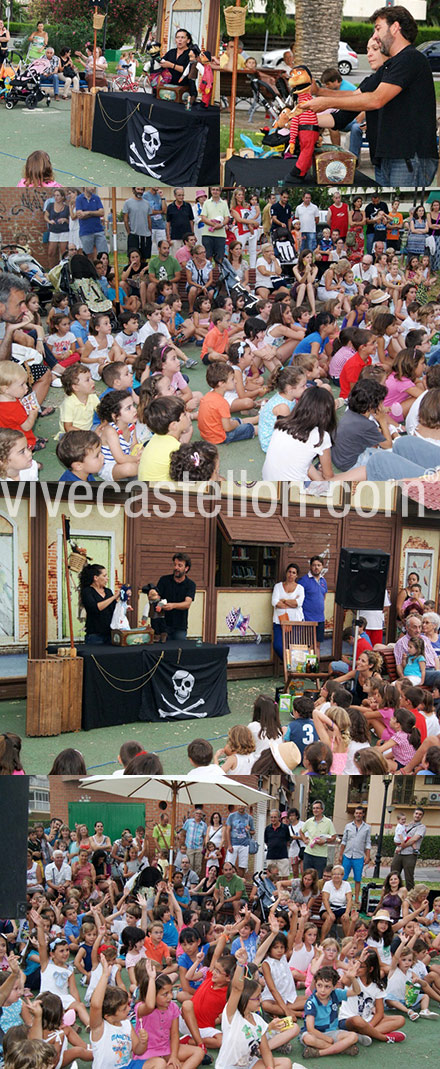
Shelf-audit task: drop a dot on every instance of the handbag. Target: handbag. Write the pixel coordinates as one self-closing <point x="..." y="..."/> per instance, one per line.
<point x="254" y="846"/>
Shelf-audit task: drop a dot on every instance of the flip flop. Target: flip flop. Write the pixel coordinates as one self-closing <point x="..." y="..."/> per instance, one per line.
<point x="41" y="443"/>
<point x="48" y="410"/>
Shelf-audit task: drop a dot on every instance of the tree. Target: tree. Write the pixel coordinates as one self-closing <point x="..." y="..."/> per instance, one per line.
<point x="322" y="789"/>
<point x="317" y="33"/>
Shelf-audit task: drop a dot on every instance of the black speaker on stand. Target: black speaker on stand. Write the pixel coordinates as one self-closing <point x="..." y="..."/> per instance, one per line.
<point x="361" y="582"/>
<point x="14" y="808"/>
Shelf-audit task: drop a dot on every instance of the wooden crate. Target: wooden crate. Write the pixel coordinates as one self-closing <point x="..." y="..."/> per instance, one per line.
<point x="54" y="696"/>
<point x="81" y="119"/>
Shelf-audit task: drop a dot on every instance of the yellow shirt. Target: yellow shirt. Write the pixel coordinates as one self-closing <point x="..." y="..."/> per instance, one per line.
<point x="154" y="466"/>
<point x="226" y="58"/>
<point x="77" y="412"/>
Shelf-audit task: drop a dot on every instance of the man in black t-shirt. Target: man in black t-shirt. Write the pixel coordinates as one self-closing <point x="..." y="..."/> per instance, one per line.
<point x="403" y="146"/>
<point x="277" y="840"/>
<point x="372" y="210"/>
<point x="281" y="213"/>
<point x="180" y="220"/>
<point x="179" y="592"/>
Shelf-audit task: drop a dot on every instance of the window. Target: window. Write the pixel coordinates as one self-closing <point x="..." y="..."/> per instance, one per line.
<point x="8" y="580"/>
<point x="403" y="790"/>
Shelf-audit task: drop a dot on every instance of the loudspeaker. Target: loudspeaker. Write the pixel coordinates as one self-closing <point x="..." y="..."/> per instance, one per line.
<point x="362" y="578"/>
<point x="14" y="806"/>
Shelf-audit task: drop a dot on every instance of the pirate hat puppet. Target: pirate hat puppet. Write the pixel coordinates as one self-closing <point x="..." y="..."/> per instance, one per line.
<point x="300" y="79"/>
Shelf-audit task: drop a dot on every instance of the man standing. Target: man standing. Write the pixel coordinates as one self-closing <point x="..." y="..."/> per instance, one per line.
<point x="317" y="833"/>
<point x="162" y="832"/>
<point x="277" y="840"/>
<point x="408" y="848"/>
<point x="136" y="213"/>
<point x="337" y="215"/>
<point x="214" y="217"/>
<point x="281" y="214"/>
<point x="402" y="135"/>
<point x="180" y="220"/>
<point x="372" y="210"/>
<point x="315" y="588"/>
<point x="332" y="80"/>
<point x="308" y="215"/>
<point x="90" y="212"/>
<point x="157" y="210"/>
<point x="355" y="849"/>
<point x="179" y="593"/>
<point x="414" y="630"/>
<point x="195" y="830"/>
<point x="239" y="831"/>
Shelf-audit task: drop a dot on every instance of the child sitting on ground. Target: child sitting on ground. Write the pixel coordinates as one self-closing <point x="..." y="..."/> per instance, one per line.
<point x="167" y="419"/>
<point x="64" y="346"/>
<point x="114" y="1041"/>
<point x="16" y="463"/>
<point x="80" y="401"/>
<point x="128" y="336"/>
<point x="248" y="387"/>
<point x="289" y="383"/>
<point x="214" y="418"/>
<point x="80" y="453"/>
<point x="117" y="376"/>
<point x="13" y="413"/>
<point x="120" y="449"/>
<point x="100" y="347"/>
<point x="216" y="341"/>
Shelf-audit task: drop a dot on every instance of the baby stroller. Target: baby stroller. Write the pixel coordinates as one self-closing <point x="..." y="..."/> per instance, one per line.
<point x="285" y="252"/>
<point x="233" y="286"/>
<point x="25" y="87"/>
<point x="20" y="261"/>
<point x="265" y="897"/>
<point x="86" y="290"/>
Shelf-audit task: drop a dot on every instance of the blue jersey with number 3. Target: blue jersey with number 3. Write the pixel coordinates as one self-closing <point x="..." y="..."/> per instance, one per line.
<point x="303" y="732"/>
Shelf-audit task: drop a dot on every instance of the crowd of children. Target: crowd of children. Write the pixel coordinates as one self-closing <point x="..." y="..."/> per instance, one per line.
<point x="117" y="965"/>
<point x="326" y="367"/>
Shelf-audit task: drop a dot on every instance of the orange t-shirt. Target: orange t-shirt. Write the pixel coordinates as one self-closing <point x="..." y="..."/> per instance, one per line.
<point x="213" y="409"/>
<point x="215" y="339"/>
<point x="156" y="951"/>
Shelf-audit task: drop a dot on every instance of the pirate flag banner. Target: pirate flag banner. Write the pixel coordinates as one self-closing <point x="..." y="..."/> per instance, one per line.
<point x="159" y="138"/>
<point x="174" y="681"/>
<point x="187" y="687"/>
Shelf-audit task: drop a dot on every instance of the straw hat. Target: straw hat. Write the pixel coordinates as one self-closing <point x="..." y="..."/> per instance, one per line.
<point x="286" y="755"/>
<point x="378" y="296"/>
<point x="382" y="915"/>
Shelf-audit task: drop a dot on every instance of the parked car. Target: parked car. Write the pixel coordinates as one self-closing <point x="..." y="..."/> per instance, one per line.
<point x="431" y="49"/>
<point x="347" y="58"/>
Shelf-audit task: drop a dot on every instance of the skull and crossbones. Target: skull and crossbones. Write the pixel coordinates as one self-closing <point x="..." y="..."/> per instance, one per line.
<point x="183" y="683"/>
<point x="151" y="145"/>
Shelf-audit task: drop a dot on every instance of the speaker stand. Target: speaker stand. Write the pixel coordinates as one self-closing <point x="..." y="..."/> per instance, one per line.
<point x="355" y="644"/>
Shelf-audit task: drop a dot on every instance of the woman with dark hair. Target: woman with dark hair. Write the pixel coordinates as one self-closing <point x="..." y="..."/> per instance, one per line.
<point x="216" y="837"/>
<point x="57" y="217"/>
<point x="265" y="724"/>
<point x="418" y="231"/>
<point x="99" y="602"/>
<point x="287" y="601"/>
<point x="393" y="897"/>
<point x="298" y="438"/>
<point x="68" y="762"/>
<point x="177" y="59"/>
<point x="305" y="888"/>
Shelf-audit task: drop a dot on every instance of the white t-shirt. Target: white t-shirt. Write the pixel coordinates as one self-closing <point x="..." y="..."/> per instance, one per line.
<point x="432" y="724"/>
<point x="412" y="419"/>
<point x="147" y="330"/>
<point x="55" y="978"/>
<point x="289" y="459"/>
<point x="279" y="593"/>
<point x="368" y="274"/>
<point x="95" y="977"/>
<point x="128" y="342"/>
<point x="260" y="743"/>
<point x="56" y="875"/>
<point x="113" y="1050"/>
<point x="265" y="280"/>
<point x="375" y="617"/>
<point x="361" y="1005"/>
<point x="353" y="748"/>
<point x="27" y="475"/>
<point x="384" y="953"/>
<point x="409" y="324"/>
<point x="337" y="895"/>
<point x="301" y="958"/>
<point x="307" y="215"/>
<point x="241" y="1040"/>
<point x="282" y="978"/>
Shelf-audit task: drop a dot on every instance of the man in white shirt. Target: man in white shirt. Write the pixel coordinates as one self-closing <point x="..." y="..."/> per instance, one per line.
<point x="365" y="271"/>
<point x="308" y="215"/>
<point x="58" y="874"/>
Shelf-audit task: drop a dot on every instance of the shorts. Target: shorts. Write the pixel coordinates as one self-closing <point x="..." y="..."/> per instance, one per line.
<point x="397" y="998"/>
<point x="64" y="236"/>
<point x="353" y="864"/>
<point x="337" y="910"/>
<point x="230" y="396"/>
<point x="91" y="241"/>
<point x="106" y="471"/>
<point x="206" y="1033"/>
<point x="337" y="1034"/>
<point x="283" y="865"/>
<point x="238" y="855"/>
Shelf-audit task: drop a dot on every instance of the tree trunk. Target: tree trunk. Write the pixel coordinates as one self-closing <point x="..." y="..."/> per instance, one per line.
<point x="317" y="32"/>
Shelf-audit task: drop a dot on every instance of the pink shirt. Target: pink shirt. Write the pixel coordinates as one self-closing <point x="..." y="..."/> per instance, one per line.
<point x="46" y="185"/>
<point x="158" y="1025"/>
<point x="339" y="359"/>
<point x="386" y="715"/>
<point x="178" y="382"/>
<point x="397" y="391"/>
<point x="403" y="751"/>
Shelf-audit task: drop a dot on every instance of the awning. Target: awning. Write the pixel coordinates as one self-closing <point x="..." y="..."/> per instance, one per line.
<point x="263" y="530"/>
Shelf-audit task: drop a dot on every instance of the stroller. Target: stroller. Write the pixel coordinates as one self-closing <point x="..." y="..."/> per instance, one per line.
<point x="86" y="290"/>
<point x="265" y="897"/>
<point x="19" y="261"/>
<point x="25" y="87"/>
<point x="233" y="286"/>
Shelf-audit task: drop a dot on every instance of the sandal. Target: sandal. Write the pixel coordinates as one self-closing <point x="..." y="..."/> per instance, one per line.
<point x="48" y="410"/>
<point x="413" y="1016"/>
<point x="41" y="443"/>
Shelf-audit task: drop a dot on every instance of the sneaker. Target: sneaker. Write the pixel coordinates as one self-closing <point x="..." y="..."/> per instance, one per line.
<point x="309" y="1052"/>
<point x="352" y="1050"/>
<point x="191" y="363"/>
<point x="428" y="1013"/>
<point x="395" y="1037"/>
<point x="84" y="981"/>
<point x="365" y="1041"/>
<point x="206" y="1060"/>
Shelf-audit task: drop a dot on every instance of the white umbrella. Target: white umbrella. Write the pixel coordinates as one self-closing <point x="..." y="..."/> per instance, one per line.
<point x="175" y="788"/>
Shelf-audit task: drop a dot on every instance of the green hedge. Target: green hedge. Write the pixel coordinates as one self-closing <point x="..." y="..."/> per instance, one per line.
<point x="430" y="846"/>
<point x="355" y="34"/>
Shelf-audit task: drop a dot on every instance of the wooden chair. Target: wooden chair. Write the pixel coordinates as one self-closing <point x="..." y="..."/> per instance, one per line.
<point x="301" y="634"/>
<point x="389" y="663"/>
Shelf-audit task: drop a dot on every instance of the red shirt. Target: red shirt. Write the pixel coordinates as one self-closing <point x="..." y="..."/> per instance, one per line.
<point x="209" y="1002"/>
<point x="12" y="415"/>
<point x="350" y="373"/>
<point x="339" y="218"/>
<point x="420" y="723"/>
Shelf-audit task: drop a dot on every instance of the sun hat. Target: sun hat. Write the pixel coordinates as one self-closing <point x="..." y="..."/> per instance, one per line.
<point x="378" y="296"/>
<point x="286" y="755"/>
<point x="382" y="915"/>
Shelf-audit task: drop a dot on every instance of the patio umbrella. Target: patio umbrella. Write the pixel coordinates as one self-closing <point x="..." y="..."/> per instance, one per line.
<point x="174" y="789"/>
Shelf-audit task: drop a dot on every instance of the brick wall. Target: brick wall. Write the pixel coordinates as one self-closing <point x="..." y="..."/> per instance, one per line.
<point x="22" y="219"/>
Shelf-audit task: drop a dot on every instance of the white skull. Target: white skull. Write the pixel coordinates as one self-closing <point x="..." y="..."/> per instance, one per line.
<point x="150" y="141"/>
<point x="183" y="683"/>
